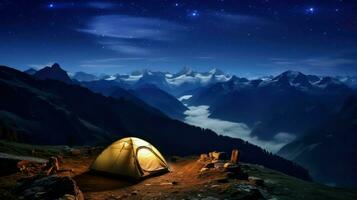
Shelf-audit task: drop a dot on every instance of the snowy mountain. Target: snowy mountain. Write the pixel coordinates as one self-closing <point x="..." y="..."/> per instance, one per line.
<point x="289" y="102"/>
<point x="83" y="76"/>
<point x="350" y="81"/>
<point x="173" y="83"/>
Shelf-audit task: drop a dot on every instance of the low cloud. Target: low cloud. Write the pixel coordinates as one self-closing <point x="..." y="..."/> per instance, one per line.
<point x="199" y="116"/>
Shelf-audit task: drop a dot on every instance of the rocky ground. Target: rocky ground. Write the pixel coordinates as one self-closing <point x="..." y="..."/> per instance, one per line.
<point x="186" y="180"/>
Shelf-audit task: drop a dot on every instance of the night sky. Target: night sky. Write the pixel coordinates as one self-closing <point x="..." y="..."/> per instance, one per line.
<point x="248" y="38"/>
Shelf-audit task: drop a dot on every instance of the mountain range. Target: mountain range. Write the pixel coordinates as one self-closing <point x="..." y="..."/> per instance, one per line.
<point x="173" y="83"/>
<point x="53" y="112"/>
<point x="291" y="102"/>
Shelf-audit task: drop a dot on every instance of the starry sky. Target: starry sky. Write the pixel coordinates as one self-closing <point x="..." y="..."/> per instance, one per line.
<point x="247" y="38"/>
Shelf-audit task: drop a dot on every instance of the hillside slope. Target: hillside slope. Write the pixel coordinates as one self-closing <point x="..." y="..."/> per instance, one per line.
<point x="52" y="112"/>
<point x="329" y="151"/>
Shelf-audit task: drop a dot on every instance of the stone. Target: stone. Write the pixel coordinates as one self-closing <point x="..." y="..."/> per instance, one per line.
<point x="48" y="187"/>
<point x="209" y="165"/>
<point x="247" y="192"/>
<point x="75" y="152"/>
<point x="235" y="156"/>
<point x="9" y="162"/>
<point x="204" y="169"/>
<point x="219" y="155"/>
<point x="256" y="180"/>
<point x="52" y="166"/>
<point x="231" y="167"/>
<point x="219" y="164"/>
<point x="222" y="180"/>
<point x="204" y="157"/>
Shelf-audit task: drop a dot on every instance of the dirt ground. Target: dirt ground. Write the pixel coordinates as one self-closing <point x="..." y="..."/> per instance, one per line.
<point x="183" y="182"/>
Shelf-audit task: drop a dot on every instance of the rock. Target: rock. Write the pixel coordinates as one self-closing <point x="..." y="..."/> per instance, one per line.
<point x="247" y="192"/>
<point x="219" y="164"/>
<point x="48" y="187"/>
<point x="222" y="180"/>
<point x="218" y="155"/>
<point x="204" y="169"/>
<point x="169" y="183"/>
<point x="209" y="165"/>
<point x="75" y="152"/>
<point x="204" y="158"/>
<point x="134" y="192"/>
<point x="251" y="195"/>
<point x="241" y="175"/>
<point x="256" y="180"/>
<point x="52" y="166"/>
<point x="234" y="156"/>
<point x="230" y="167"/>
<point x="210" y="198"/>
<point x="9" y="162"/>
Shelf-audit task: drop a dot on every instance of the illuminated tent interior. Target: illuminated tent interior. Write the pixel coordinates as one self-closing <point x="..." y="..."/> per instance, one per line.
<point x="130" y="157"/>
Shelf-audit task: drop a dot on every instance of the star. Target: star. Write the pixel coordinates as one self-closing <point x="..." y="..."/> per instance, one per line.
<point x="51" y="5"/>
<point x="177" y="4"/>
<point x="311" y="10"/>
<point x="194" y="13"/>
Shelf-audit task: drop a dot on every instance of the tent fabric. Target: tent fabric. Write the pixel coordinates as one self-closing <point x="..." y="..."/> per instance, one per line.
<point x="132" y="157"/>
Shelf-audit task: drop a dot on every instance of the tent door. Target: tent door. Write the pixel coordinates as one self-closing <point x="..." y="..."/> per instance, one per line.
<point x="148" y="160"/>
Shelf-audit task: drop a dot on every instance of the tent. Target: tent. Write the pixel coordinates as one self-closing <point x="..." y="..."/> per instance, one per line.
<point x="130" y="157"/>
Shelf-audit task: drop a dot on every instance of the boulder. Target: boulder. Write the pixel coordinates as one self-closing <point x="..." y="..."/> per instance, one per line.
<point x="256" y="180"/>
<point x="218" y="155"/>
<point x="204" y="169"/>
<point x="209" y="165"/>
<point x="48" y="187"/>
<point x="204" y="157"/>
<point x="75" y="152"/>
<point x="9" y="162"/>
<point x="247" y="192"/>
<point x="231" y="167"/>
<point x="219" y="164"/>
<point x="52" y="166"/>
<point x="235" y="156"/>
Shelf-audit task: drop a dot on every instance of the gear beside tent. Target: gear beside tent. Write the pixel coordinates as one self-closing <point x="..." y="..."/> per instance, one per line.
<point x="130" y="157"/>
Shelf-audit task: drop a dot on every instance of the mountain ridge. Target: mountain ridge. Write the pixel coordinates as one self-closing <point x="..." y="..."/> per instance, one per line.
<point x="52" y="112"/>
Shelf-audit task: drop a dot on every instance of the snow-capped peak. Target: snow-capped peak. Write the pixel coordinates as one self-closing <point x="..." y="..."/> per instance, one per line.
<point x="216" y="71"/>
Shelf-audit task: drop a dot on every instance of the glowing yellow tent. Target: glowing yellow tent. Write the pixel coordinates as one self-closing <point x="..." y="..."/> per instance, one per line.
<point x="131" y="157"/>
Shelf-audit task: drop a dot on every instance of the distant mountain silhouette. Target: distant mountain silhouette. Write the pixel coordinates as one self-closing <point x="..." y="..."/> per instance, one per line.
<point x="52" y="112"/>
<point x="104" y="87"/>
<point x="149" y="94"/>
<point x="83" y="76"/>
<point x="329" y="150"/>
<point x="161" y="100"/>
<point x="290" y="102"/>
<point x="30" y="71"/>
<point x="55" y="72"/>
